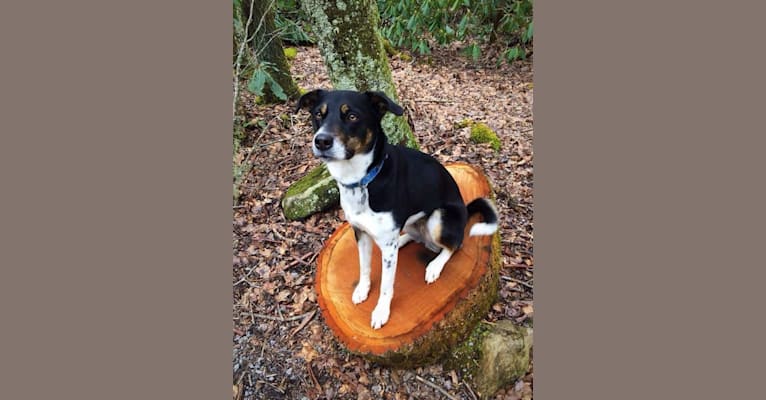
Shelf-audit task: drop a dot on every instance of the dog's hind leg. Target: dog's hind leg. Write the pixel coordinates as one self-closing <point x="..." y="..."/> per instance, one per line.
<point x="434" y="268"/>
<point x="410" y="233"/>
<point x="445" y="228"/>
<point x="404" y="239"/>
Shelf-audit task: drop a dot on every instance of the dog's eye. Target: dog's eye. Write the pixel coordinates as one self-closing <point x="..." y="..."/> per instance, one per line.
<point x="352" y="117"/>
<point x="318" y="115"/>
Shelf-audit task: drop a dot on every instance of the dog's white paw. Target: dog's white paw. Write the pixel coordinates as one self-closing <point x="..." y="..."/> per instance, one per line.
<point x="433" y="272"/>
<point x="435" y="267"/>
<point x="361" y="292"/>
<point x="380" y="316"/>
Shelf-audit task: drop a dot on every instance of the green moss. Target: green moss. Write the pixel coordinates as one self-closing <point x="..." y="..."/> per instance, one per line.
<point x="314" y="192"/>
<point x="290" y="53"/>
<point x="464" y="123"/>
<point x="466" y="354"/>
<point x="481" y="133"/>
<point x="390" y="50"/>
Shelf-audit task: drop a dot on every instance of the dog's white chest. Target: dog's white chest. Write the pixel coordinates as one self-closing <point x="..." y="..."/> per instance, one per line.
<point x="356" y="206"/>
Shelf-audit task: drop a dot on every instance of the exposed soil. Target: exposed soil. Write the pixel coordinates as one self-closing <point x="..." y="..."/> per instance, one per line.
<point x="281" y="347"/>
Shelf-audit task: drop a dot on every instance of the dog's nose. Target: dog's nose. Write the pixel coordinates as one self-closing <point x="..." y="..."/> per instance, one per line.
<point x="323" y="141"/>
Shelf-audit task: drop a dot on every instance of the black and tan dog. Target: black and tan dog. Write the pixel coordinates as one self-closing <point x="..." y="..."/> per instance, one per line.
<point x="387" y="189"/>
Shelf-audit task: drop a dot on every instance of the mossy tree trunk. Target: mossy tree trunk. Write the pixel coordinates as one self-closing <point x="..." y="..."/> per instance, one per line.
<point x="267" y="47"/>
<point x="352" y="48"/>
<point x="349" y="40"/>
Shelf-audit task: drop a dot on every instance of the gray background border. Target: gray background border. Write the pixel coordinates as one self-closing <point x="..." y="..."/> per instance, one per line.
<point x="115" y="166"/>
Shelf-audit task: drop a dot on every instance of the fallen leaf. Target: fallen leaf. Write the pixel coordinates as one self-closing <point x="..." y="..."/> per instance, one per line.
<point x="307" y="352"/>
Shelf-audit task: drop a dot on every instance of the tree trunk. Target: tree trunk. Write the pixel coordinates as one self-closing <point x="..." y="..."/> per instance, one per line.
<point x="242" y="57"/>
<point x="349" y="40"/>
<point x="348" y="36"/>
<point x="427" y="320"/>
<point x="267" y="47"/>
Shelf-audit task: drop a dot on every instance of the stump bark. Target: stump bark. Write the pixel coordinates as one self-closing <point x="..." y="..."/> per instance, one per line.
<point x="427" y="320"/>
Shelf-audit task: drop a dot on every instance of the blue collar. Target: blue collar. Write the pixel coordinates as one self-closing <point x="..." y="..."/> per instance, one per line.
<point x="367" y="178"/>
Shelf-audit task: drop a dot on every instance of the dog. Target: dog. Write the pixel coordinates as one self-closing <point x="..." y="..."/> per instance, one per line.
<point x="386" y="189"/>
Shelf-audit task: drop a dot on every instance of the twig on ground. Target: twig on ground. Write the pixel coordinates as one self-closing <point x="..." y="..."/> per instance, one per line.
<point x="442" y="391"/>
<point x="300" y="260"/>
<point x="470" y="391"/>
<point x="508" y="278"/>
<point x="313" y="377"/>
<point x="512" y="265"/>
<point x="282" y="319"/>
<point x="305" y="322"/>
<point x="275" y="387"/>
<point x="274" y="141"/>
<point x="434" y="101"/>
<point x="245" y="277"/>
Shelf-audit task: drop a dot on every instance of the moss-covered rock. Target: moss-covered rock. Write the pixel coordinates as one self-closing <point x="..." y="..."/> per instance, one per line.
<point x="493" y="356"/>
<point x="481" y="133"/>
<point x="505" y="353"/>
<point x="465" y="356"/>
<point x="317" y="191"/>
<point x="290" y="53"/>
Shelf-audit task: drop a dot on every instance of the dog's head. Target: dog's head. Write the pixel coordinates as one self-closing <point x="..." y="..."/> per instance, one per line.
<point x="346" y="123"/>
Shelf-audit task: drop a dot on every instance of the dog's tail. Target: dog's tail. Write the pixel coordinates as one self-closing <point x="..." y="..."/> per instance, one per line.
<point x="488" y="213"/>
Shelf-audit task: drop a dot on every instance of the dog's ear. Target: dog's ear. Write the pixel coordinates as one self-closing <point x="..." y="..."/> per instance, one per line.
<point x="309" y="99"/>
<point x="384" y="103"/>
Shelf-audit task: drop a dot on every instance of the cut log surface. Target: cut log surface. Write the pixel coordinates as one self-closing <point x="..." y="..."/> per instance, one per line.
<point x="426" y="319"/>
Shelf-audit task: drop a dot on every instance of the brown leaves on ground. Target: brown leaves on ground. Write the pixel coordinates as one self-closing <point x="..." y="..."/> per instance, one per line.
<point x="282" y="349"/>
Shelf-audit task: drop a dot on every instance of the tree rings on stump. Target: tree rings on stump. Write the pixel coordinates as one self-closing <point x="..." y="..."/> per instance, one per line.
<point x="426" y="320"/>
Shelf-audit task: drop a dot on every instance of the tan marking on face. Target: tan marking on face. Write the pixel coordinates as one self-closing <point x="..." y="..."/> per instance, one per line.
<point x="357" y="145"/>
<point x="323" y="109"/>
<point x="344" y="108"/>
<point x="353" y="144"/>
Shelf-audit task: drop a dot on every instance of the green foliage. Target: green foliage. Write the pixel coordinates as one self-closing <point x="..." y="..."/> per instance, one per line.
<point x="291" y="22"/>
<point x="421" y="24"/>
<point x="262" y="77"/>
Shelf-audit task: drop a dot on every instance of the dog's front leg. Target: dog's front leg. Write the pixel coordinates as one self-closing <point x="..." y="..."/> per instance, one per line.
<point x="364" y="245"/>
<point x="389" y="249"/>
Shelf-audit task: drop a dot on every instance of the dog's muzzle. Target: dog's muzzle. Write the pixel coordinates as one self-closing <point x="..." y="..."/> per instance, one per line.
<point x="327" y="147"/>
<point x="323" y="142"/>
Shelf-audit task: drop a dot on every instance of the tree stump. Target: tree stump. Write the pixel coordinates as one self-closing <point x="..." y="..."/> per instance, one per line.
<point x="427" y="320"/>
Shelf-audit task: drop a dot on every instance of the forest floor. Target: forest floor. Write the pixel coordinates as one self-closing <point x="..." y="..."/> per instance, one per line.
<point x="281" y="347"/>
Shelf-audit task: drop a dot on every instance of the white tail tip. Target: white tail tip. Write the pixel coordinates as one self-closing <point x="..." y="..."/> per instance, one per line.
<point x="482" y="228"/>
